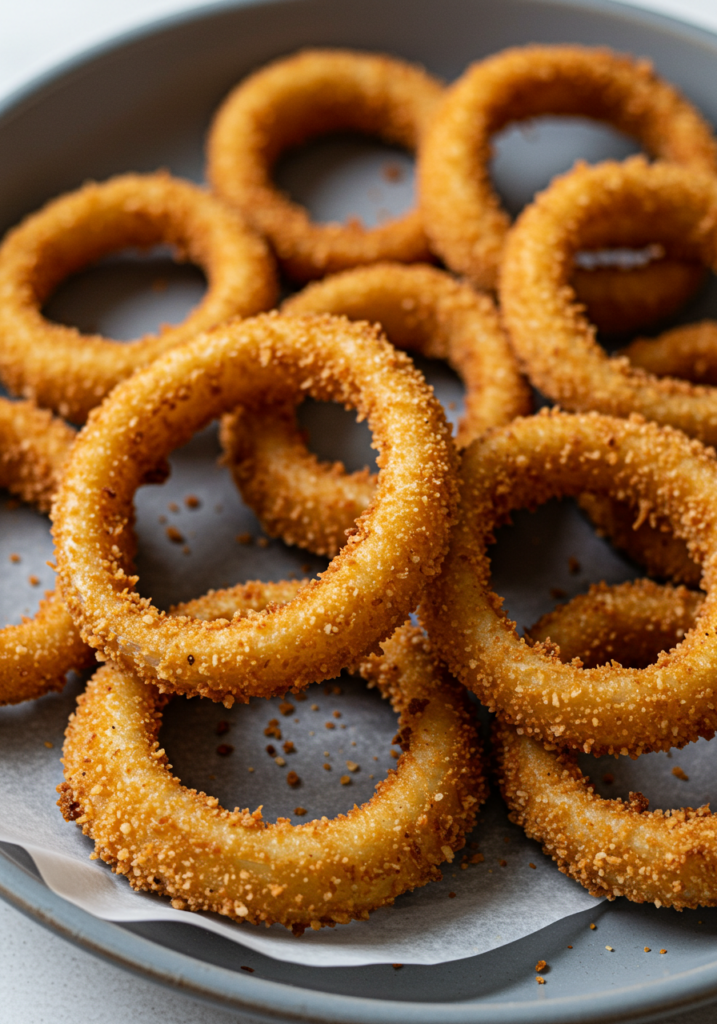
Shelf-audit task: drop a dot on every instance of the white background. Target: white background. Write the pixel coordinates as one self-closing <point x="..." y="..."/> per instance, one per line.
<point x="44" y="980"/>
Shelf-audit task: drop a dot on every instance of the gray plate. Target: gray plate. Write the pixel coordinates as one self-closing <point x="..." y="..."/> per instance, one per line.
<point x="146" y="102"/>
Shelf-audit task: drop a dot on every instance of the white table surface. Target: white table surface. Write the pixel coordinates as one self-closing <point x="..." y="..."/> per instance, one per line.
<point x="43" y="979"/>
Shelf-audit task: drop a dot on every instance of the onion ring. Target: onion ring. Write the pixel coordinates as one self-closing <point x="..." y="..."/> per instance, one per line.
<point x="648" y="542"/>
<point x="630" y="623"/>
<point x="463" y="215"/>
<point x="613" y="848"/>
<point x="552" y="338"/>
<point x="148" y="827"/>
<point x="64" y="370"/>
<point x="315" y="504"/>
<point x="293" y="100"/>
<point x="688" y="352"/>
<point x="36" y="655"/>
<point x="607" y="709"/>
<point x="366" y="591"/>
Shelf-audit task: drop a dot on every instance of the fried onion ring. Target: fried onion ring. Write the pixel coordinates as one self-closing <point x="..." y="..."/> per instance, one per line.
<point x="613" y="848"/>
<point x="296" y="99"/>
<point x="366" y="591"/>
<point x="688" y="352"/>
<point x="315" y="504"/>
<point x="149" y="827"/>
<point x="630" y="623"/>
<point x="552" y="338"/>
<point x="463" y="216"/>
<point x="36" y="655"/>
<point x="70" y="372"/>
<point x="607" y="709"/>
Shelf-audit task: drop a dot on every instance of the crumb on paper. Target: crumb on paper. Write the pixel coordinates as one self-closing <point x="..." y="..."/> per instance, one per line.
<point x="327" y="767"/>
<point x="336" y="714"/>
<point x="609" y="949"/>
<point x="173" y="506"/>
<point x="222" y="727"/>
<point x="503" y="863"/>
<point x="175" y="535"/>
<point x="225" y="749"/>
<point x="540" y="981"/>
<point x="593" y="927"/>
<point x="330" y="725"/>
<point x="286" y="708"/>
<point x="300" y="812"/>
<point x="270" y="749"/>
<point x="397" y="967"/>
<point x="541" y="965"/>
<point x="192" y="501"/>
<point x="451" y="895"/>
<point x="314" y="707"/>
<point x="574" y="565"/>
<point x="679" y="773"/>
<point x="345" y="780"/>
<point x="33" y="580"/>
<point x="273" y="729"/>
<point x="648" y="949"/>
<point x="352" y="766"/>
<point x="531" y="865"/>
<point x="243" y="538"/>
<point x="570" y="947"/>
<point x="14" y="557"/>
<point x="663" y="951"/>
<point x="263" y="542"/>
<point x="289" y="747"/>
<point x="557" y="593"/>
<point x="250" y="769"/>
<point x="49" y="745"/>
<point x="292" y="778"/>
<point x="394" y="753"/>
<point x="249" y="969"/>
<point x="280" y="761"/>
<point x="393" y="172"/>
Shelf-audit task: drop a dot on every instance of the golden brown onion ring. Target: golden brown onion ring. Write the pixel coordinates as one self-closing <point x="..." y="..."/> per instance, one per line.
<point x="71" y="372"/>
<point x="36" y="655"/>
<point x="613" y="848"/>
<point x="150" y="828"/>
<point x="314" y="504"/>
<point x="630" y="623"/>
<point x="366" y="591"/>
<point x="464" y="218"/>
<point x="296" y="99"/>
<point x="607" y="709"/>
<point x="553" y="340"/>
<point x="689" y="352"/>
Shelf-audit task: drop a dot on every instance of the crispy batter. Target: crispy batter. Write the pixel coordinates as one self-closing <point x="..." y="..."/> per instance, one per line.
<point x="71" y="372"/>
<point x="296" y="99"/>
<point x="315" y="504"/>
<point x="169" y="839"/>
<point x="630" y="623"/>
<point x="613" y="848"/>
<point x="463" y="215"/>
<point x="36" y="655"/>
<point x="553" y="340"/>
<point x="366" y="591"/>
<point x="608" y="709"/>
<point x="689" y="352"/>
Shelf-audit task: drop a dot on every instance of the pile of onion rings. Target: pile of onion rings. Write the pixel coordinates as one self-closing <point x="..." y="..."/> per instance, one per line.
<point x="293" y="100"/>
<point x="463" y="215"/>
<point x="315" y="504"/>
<point x="367" y="590"/>
<point x="168" y="839"/>
<point x="71" y="372"/>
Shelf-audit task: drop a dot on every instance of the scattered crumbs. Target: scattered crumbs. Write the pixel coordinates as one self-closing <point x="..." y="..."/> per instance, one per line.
<point x="394" y="753"/>
<point x="192" y="501"/>
<point x="609" y="949"/>
<point x="336" y="714"/>
<point x="663" y="951"/>
<point x="676" y="771"/>
<point x="173" y="506"/>
<point x="292" y="778"/>
<point x="353" y="743"/>
<point x="249" y="969"/>
<point x="300" y="812"/>
<point x="174" y="535"/>
<point x="280" y="761"/>
<point x="263" y="542"/>
<point x="541" y="965"/>
<point x="330" y="725"/>
<point x="540" y="981"/>
<point x="342" y="726"/>
<point x="299" y="696"/>
<point x="326" y="754"/>
<point x="608" y="778"/>
<point x="222" y="727"/>
<point x="270" y="749"/>
<point x="162" y="520"/>
<point x="49" y="745"/>
<point x="289" y="747"/>
<point x="503" y="863"/>
<point x="273" y="729"/>
<point x="225" y="749"/>
<point x="372" y="776"/>
<point x="531" y="865"/>
<point x="314" y="707"/>
<point x="352" y="766"/>
<point x="15" y="557"/>
<point x="648" y="949"/>
<point x="557" y="593"/>
<point x="327" y="767"/>
<point x="464" y="865"/>
<point x="570" y="947"/>
<point x="593" y="927"/>
<point x="573" y="565"/>
<point x="477" y="858"/>
<point x="393" y="172"/>
<point x="375" y="758"/>
<point x="345" y="780"/>
<point x="286" y="708"/>
<point x="243" y="538"/>
<point x="33" y="580"/>
<point x="397" y="967"/>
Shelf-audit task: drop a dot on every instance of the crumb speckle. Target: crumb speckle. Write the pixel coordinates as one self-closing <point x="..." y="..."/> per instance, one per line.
<point x="300" y="812"/>
<point x="680" y="774"/>
<point x="225" y="749"/>
<point x="33" y="580"/>
<point x="192" y="501"/>
<point x="175" y="535"/>
<point x="292" y="778"/>
<point x="15" y="557"/>
<point x="345" y="780"/>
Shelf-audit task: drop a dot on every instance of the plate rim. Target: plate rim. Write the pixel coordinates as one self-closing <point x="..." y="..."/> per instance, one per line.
<point x="273" y="1000"/>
